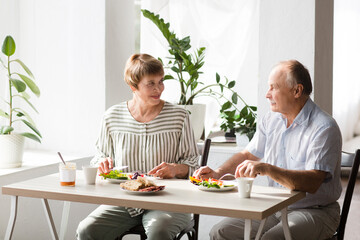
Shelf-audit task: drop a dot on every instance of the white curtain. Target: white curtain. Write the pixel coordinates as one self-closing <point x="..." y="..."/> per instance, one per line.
<point x="346" y="97"/>
<point x="228" y="30"/>
<point x="62" y="42"/>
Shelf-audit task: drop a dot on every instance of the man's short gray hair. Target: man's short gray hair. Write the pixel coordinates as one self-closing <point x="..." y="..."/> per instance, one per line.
<point x="297" y="74"/>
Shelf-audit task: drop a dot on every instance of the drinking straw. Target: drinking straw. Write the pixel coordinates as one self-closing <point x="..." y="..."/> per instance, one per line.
<point x="62" y="158"/>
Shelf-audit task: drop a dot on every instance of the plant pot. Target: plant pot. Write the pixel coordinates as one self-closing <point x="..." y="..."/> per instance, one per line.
<point x="241" y="140"/>
<point x="197" y="118"/>
<point x="230" y="135"/>
<point x="11" y="150"/>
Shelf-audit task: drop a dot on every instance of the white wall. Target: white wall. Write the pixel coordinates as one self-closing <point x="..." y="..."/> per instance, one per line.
<point x="346" y="65"/>
<point x="10" y="16"/>
<point x="66" y="55"/>
<point x="77" y="51"/>
<point x="119" y="45"/>
<point x="287" y="31"/>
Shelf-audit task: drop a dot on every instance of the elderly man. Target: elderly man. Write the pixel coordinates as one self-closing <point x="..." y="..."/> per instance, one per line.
<point x="301" y="150"/>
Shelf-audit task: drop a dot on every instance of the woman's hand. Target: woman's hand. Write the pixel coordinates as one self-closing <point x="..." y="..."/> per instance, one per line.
<point x="205" y="172"/>
<point x="164" y="170"/>
<point x="106" y="165"/>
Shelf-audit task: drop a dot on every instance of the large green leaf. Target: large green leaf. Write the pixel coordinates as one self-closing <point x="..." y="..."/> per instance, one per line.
<point x="32" y="127"/>
<point x="21" y="113"/>
<point x="168" y="77"/>
<point x="217" y="78"/>
<point x="31" y="136"/>
<point x="27" y="70"/>
<point x="159" y="22"/>
<point x="30" y="84"/>
<point x="226" y="105"/>
<point x="6" y="129"/>
<point x="8" y="47"/>
<point x="234" y="98"/>
<point x="18" y="84"/>
<point x="231" y="84"/>
<point x="3" y="114"/>
<point x="26" y="98"/>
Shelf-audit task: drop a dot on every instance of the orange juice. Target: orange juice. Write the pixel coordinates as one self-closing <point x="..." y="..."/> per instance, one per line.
<point x="67" y="174"/>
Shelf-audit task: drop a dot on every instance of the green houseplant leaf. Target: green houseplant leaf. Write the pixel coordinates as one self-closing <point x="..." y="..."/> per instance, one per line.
<point x="6" y="129"/>
<point x="30" y="83"/>
<point x="8" y="47"/>
<point x="19" y="85"/>
<point x="186" y="69"/>
<point x="32" y="127"/>
<point x="31" y="136"/>
<point x="27" y="70"/>
<point x="18" y="88"/>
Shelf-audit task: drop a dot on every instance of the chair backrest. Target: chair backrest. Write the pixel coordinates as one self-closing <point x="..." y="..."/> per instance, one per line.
<point x="203" y="162"/>
<point x="205" y="153"/>
<point x="348" y="195"/>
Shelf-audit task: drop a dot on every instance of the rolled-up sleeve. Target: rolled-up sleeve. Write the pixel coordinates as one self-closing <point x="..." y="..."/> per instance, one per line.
<point x="324" y="150"/>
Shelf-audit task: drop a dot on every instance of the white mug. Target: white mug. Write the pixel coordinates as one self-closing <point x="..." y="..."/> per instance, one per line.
<point x="90" y="173"/>
<point x="244" y="186"/>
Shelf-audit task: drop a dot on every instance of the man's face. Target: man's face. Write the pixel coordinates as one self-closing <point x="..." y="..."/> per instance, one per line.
<point x="280" y="95"/>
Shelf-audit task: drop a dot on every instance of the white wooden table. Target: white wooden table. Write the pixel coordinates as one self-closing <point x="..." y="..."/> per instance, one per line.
<point x="178" y="196"/>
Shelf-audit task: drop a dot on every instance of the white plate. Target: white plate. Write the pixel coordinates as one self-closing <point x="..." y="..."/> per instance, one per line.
<point x="112" y="180"/>
<point x="140" y="193"/>
<point x="222" y="189"/>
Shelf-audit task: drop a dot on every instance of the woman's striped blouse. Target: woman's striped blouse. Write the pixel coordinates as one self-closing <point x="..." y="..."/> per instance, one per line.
<point x="142" y="146"/>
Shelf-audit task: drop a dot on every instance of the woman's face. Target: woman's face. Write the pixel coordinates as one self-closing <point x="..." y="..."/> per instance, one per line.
<point x="150" y="88"/>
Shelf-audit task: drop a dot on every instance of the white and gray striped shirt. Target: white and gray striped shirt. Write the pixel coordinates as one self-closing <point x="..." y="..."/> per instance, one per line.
<point x="142" y="146"/>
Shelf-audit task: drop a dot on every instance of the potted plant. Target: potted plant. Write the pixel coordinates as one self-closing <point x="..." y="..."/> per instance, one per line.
<point x="185" y="69"/>
<point x="241" y="122"/>
<point x="11" y="142"/>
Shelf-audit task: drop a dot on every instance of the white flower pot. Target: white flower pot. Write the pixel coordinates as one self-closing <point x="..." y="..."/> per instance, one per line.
<point x="241" y="140"/>
<point x="197" y="118"/>
<point x="11" y="150"/>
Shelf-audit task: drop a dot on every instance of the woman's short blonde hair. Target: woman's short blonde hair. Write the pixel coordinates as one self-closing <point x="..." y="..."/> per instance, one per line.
<point x="140" y="65"/>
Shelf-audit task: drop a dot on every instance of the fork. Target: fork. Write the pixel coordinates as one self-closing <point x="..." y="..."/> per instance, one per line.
<point x="227" y="175"/>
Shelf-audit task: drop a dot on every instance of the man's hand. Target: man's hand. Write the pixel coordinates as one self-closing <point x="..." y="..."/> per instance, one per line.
<point x="205" y="172"/>
<point x="164" y="170"/>
<point x="249" y="168"/>
<point x="106" y="165"/>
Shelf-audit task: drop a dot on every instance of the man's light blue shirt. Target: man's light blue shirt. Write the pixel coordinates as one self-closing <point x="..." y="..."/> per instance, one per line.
<point x="312" y="141"/>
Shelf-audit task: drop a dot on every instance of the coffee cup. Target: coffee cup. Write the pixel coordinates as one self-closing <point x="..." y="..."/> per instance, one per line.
<point x="244" y="186"/>
<point x="90" y="173"/>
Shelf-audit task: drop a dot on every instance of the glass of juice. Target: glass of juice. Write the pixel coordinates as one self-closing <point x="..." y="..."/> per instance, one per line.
<point x="67" y="174"/>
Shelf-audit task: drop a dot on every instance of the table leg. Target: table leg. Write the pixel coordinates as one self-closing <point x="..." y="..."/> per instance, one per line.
<point x="261" y="228"/>
<point x="247" y="229"/>
<point x="284" y="219"/>
<point x="64" y="219"/>
<point x="50" y="219"/>
<point x="12" y="219"/>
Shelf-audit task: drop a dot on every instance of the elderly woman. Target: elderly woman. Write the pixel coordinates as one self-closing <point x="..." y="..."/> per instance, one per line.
<point x="149" y="135"/>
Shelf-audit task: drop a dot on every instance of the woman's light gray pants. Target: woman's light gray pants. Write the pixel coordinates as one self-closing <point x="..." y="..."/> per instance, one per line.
<point x="108" y="222"/>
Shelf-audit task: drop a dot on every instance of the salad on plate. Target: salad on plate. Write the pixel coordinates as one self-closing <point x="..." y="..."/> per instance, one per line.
<point x="119" y="175"/>
<point x="212" y="184"/>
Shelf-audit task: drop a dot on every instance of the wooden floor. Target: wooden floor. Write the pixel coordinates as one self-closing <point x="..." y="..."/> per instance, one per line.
<point x="352" y="230"/>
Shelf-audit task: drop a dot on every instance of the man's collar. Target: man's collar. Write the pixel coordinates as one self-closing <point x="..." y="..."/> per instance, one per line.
<point x="303" y="116"/>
